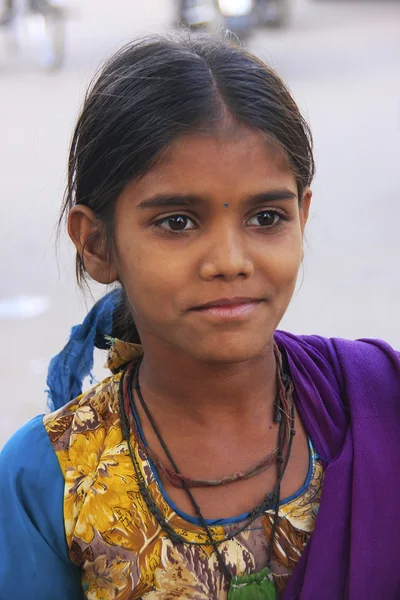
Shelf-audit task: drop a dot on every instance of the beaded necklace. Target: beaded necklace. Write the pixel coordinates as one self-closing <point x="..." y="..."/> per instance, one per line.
<point x="258" y="585"/>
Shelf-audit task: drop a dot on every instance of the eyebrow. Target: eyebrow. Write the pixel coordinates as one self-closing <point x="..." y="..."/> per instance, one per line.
<point x="168" y="200"/>
<point x="184" y="200"/>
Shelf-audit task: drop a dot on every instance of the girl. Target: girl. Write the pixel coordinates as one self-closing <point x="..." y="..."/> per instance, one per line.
<point x="222" y="458"/>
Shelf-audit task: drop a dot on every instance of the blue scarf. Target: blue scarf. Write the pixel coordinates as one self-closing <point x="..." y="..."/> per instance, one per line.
<point x="68" y="369"/>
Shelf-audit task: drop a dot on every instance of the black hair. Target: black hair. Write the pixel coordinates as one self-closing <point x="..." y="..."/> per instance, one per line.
<point x="158" y="88"/>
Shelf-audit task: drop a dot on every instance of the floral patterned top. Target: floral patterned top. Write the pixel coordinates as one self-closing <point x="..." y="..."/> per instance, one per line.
<point x="118" y="544"/>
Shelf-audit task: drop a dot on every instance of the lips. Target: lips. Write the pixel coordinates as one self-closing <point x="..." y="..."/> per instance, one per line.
<point x="223" y="302"/>
<point x="229" y="308"/>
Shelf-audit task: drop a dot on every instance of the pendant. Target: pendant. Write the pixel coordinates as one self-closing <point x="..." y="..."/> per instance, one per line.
<point x="258" y="586"/>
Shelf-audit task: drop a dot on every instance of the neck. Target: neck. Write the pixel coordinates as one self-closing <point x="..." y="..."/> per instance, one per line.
<point x="179" y="386"/>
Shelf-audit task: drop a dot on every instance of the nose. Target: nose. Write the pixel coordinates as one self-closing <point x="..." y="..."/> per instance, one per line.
<point x="227" y="256"/>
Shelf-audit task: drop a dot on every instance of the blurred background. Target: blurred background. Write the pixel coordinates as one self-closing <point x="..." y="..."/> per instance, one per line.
<point x="341" y="59"/>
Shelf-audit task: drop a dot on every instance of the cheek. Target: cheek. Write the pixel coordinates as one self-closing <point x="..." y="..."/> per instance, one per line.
<point x="282" y="269"/>
<point x="150" y="280"/>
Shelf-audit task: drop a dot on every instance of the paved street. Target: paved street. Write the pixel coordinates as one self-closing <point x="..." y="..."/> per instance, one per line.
<point x="342" y="61"/>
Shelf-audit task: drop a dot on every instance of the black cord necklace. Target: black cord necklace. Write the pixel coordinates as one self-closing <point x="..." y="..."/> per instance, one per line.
<point x="130" y="381"/>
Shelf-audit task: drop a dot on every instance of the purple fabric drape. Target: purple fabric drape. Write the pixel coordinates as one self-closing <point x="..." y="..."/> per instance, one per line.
<point x="348" y="397"/>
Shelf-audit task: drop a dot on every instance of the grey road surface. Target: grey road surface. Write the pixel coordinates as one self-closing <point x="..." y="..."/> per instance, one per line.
<point x="342" y="61"/>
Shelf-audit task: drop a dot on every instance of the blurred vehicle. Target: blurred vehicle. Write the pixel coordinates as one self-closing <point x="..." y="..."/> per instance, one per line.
<point x="36" y="27"/>
<point x="274" y="13"/>
<point x="239" y="16"/>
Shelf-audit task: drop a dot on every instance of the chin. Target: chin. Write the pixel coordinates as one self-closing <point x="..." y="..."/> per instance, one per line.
<point x="231" y="352"/>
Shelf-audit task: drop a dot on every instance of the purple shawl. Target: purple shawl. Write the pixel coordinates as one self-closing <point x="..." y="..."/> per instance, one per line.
<point x="348" y="396"/>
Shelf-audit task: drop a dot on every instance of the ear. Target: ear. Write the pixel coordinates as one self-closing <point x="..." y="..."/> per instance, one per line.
<point x="305" y="204"/>
<point x="87" y="233"/>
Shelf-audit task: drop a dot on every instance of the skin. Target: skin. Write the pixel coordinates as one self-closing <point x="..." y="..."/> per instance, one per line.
<point x="209" y="381"/>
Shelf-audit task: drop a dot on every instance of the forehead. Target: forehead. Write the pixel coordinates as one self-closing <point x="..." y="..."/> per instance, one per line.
<point x="238" y="158"/>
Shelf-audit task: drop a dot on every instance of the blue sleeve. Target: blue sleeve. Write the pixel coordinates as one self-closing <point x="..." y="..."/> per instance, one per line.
<point x="34" y="561"/>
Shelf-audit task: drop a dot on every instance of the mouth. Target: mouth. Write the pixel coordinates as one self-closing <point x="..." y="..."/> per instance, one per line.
<point x="229" y="308"/>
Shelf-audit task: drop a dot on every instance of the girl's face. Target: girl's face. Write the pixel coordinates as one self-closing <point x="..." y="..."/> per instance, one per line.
<point x="208" y="245"/>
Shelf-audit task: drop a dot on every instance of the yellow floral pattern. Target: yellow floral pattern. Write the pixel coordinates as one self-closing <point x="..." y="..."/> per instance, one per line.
<point x="119" y="545"/>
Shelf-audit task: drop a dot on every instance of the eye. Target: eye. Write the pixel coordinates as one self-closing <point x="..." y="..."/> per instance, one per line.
<point x="176" y="223"/>
<point x="266" y="218"/>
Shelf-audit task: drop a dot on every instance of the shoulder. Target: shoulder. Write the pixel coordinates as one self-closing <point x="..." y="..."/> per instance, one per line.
<point x="93" y="411"/>
<point x="365" y="365"/>
<point x="340" y="353"/>
<point x="340" y="381"/>
<point x="83" y="433"/>
<point x="27" y="451"/>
